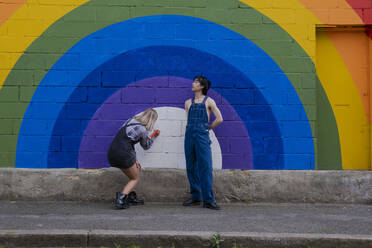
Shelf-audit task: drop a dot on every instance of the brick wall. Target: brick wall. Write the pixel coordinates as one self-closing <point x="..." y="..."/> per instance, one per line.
<point x="73" y="72"/>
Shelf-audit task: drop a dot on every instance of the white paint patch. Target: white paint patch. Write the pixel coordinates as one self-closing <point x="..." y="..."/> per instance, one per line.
<point x="168" y="148"/>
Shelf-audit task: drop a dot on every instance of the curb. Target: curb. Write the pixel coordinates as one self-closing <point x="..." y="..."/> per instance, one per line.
<point x="150" y="239"/>
<point x="170" y="185"/>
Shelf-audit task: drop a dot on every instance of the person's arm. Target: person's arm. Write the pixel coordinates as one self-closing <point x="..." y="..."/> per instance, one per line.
<point x="217" y="113"/>
<point x="145" y="140"/>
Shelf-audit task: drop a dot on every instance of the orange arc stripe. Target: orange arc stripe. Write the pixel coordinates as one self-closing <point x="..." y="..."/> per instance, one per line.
<point x="333" y="12"/>
<point x="356" y="61"/>
<point x="7" y="8"/>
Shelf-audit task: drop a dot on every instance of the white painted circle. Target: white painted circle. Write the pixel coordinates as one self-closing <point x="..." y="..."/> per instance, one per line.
<point x="167" y="150"/>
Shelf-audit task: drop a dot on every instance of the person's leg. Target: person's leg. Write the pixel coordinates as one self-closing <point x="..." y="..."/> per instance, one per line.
<point x="133" y="175"/>
<point x="122" y="198"/>
<point x="204" y="158"/>
<point x="191" y="169"/>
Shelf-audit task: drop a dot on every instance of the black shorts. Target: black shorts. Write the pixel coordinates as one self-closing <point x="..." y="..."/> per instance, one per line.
<point x="121" y="154"/>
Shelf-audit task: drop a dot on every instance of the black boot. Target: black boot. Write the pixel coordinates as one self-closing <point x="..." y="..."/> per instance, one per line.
<point x="121" y="201"/>
<point x="212" y="205"/>
<point x="191" y="202"/>
<point x="132" y="199"/>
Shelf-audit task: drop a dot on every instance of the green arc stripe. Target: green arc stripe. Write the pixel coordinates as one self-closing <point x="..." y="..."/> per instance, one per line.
<point x="45" y="51"/>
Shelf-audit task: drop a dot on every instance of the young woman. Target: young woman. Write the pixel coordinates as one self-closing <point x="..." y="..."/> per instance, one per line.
<point x="122" y="155"/>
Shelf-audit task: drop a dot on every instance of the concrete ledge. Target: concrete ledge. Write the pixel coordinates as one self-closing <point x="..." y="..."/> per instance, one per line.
<point x="144" y="239"/>
<point x="171" y="185"/>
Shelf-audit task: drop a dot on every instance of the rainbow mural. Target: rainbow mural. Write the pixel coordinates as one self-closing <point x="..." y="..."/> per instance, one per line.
<point x="292" y="97"/>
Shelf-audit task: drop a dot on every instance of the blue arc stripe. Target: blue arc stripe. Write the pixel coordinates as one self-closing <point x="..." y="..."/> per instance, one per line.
<point x="98" y="48"/>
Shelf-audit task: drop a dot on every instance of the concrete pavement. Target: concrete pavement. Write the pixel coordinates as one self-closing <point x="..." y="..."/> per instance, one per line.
<point x="84" y="224"/>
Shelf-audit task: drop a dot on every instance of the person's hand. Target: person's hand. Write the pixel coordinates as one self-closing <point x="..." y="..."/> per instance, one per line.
<point x="157" y="133"/>
<point x="138" y="165"/>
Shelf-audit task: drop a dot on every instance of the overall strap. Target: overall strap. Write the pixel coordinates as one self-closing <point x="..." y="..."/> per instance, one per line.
<point x="193" y="100"/>
<point x="127" y="125"/>
<point x="132" y="124"/>
<point x="205" y="99"/>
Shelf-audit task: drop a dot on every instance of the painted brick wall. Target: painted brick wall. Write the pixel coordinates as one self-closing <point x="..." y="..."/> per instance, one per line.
<point x="72" y="72"/>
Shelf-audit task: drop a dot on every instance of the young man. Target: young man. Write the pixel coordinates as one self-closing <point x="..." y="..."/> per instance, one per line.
<point x="197" y="144"/>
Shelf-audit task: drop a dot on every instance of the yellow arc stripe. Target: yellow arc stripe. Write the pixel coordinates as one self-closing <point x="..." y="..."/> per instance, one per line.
<point x="325" y="10"/>
<point x="20" y="33"/>
<point x="293" y="17"/>
<point x="352" y="122"/>
<point x="8" y="8"/>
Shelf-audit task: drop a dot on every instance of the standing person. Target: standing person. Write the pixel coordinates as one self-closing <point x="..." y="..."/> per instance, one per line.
<point x="122" y="155"/>
<point x="197" y="144"/>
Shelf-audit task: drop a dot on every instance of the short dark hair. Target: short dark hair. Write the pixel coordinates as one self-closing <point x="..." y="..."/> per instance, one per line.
<point x="204" y="82"/>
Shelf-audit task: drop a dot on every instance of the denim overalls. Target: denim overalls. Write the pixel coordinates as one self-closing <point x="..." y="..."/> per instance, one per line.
<point x="198" y="153"/>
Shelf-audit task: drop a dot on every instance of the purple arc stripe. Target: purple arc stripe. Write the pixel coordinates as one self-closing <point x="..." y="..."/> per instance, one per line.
<point x="160" y="92"/>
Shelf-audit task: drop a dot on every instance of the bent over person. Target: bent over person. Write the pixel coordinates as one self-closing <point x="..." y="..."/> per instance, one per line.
<point x="122" y="154"/>
<point x="197" y="144"/>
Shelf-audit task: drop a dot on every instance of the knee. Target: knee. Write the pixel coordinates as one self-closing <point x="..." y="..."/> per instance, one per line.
<point x="135" y="178"/>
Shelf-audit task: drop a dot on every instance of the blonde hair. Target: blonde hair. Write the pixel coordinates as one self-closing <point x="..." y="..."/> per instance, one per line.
<point x="147" y="118"/>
